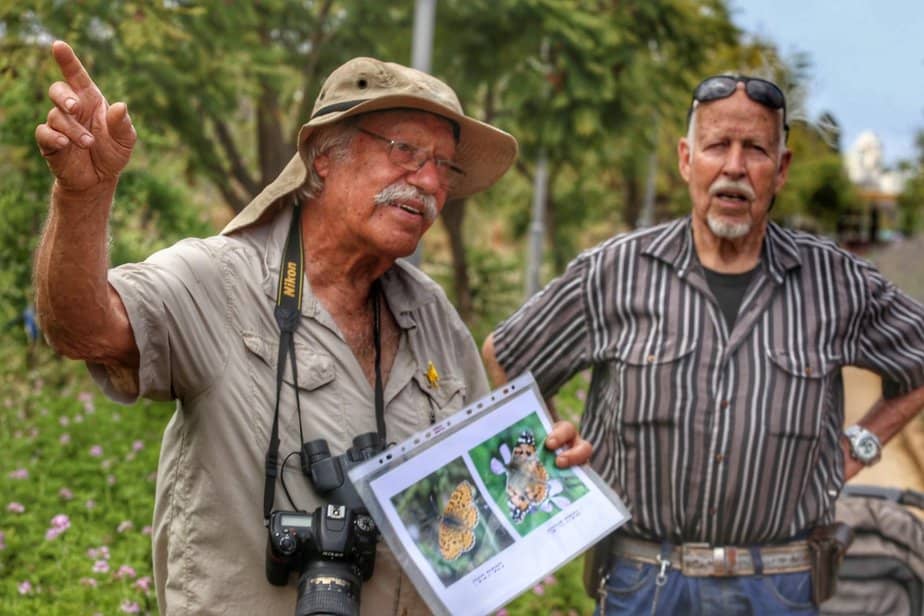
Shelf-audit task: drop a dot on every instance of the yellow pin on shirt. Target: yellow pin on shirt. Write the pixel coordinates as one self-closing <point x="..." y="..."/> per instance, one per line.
<point x="433" y="377"/>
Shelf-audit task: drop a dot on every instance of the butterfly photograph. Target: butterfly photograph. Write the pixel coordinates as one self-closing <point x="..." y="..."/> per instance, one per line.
<point x="521" y="476"/>
<point x="450" y="522"/>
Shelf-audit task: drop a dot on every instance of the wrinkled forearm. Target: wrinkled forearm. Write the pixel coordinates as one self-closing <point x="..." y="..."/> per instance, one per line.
<point x="81" y="315"/>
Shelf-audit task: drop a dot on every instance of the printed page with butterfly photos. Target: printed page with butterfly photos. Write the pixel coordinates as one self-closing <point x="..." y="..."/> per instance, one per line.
<point x="475" y="509"/>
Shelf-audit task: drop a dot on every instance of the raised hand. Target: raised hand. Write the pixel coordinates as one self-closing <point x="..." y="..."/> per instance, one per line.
<point x="86" y="141"/>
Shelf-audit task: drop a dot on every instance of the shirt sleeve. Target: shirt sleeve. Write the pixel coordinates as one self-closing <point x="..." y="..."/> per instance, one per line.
<point x="892" y="334"/>
<point x="550" y="334"/>
<point x="177" y="306"/>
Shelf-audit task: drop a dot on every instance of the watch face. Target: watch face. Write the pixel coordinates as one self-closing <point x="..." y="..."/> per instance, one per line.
<point x="866" y="448"/>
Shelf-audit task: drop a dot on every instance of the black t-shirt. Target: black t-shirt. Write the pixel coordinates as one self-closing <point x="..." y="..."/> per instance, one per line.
<point x="729" y="291"/>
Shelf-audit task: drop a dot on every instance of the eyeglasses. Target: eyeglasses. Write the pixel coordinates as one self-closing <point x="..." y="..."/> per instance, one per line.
<point x="758" y="90"/>
<point x="412" y="158"/>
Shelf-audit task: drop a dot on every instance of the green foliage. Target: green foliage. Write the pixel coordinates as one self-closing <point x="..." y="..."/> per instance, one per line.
<point x="911" y="201"/>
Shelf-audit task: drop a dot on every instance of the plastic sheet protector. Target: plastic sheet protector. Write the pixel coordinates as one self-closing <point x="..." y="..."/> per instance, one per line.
<point x="475" y="509"/>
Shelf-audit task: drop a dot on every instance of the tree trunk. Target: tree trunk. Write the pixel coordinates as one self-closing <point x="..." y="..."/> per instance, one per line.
<point x="272" y="147"/>
<point x="453" y="217"/>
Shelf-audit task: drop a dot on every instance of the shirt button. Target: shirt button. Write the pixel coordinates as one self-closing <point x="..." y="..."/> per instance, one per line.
<point x="651" y="359"/>
<point x="808" y="371"/>
<point x="724" y="404"/>
<point x="719" y="458"/>
<point x="712" y="511"/>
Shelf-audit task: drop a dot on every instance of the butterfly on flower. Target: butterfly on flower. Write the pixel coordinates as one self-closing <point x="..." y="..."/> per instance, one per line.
<point x="528" y="485"/>
<point x="457" y="524"/>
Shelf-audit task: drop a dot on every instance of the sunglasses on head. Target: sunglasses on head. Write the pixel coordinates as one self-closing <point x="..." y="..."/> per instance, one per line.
<point x="758" y="90"/>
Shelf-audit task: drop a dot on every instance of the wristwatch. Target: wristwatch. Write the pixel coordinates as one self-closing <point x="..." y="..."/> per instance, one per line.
<point x="864" y="445"/>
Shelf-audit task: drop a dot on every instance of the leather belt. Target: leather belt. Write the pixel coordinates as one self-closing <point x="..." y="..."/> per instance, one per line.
<point x="704" y="560"/>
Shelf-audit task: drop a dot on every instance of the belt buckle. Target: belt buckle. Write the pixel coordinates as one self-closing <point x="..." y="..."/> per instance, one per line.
<point x="696" y="559"/>
<point x="704" y="560"/>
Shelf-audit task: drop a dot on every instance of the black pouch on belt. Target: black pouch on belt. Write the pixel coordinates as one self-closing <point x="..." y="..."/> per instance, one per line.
<point x="596" y="560"/>
<point x="827" y="546"/>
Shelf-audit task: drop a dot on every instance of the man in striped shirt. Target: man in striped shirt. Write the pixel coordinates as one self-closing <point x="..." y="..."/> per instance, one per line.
<point x="716" y="342"/>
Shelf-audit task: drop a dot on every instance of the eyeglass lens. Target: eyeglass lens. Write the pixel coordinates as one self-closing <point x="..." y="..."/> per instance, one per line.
<point x="412" y="158"/>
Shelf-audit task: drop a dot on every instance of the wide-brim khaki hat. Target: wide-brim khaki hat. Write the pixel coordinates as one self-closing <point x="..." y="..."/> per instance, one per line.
<point x="362" y="85"/>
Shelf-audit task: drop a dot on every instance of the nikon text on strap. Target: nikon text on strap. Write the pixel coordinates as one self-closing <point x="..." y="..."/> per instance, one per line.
<point x="288" y="312"/>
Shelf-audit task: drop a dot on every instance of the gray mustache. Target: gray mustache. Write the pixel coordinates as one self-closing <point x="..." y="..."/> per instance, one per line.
<point x="726" y="185"/>
<point x="400" y="191"/>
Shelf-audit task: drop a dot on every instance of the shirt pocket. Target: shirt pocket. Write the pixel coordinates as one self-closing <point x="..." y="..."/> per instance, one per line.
<point x="441" y="399"/>
<point x="803" y="384"/>
<point x="316" y="374"/>
<point x="649" y="375"/>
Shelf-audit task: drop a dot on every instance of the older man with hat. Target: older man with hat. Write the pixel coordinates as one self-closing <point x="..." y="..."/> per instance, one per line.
<point x="297" y="323"/>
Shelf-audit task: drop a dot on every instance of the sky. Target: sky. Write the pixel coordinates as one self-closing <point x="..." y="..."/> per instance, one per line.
<point x="867" y="62"/>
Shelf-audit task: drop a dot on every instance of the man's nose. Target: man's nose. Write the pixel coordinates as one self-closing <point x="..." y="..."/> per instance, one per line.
<point x="734" y="161"/>
<point x="426" y="178"/>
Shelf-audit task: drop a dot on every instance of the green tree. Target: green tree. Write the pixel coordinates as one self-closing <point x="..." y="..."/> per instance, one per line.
<point x="911" y="201"/>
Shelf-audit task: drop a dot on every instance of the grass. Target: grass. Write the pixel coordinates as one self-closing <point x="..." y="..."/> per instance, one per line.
<point x="77" y="474"/>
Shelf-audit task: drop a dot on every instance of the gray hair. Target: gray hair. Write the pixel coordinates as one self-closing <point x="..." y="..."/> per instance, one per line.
<point x="334" y="140"/>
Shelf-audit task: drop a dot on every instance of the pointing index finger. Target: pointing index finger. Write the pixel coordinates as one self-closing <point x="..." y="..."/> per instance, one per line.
<point x="71" y="67"/>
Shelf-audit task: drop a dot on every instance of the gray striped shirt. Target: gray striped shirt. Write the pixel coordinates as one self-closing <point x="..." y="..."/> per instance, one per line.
<point x="729" y="437"/>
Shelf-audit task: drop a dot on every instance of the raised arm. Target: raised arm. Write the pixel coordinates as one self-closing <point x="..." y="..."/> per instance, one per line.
<point x="86" y="143"/>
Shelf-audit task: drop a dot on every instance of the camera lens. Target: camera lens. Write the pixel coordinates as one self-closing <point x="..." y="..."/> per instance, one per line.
<point x="328" y="588"/>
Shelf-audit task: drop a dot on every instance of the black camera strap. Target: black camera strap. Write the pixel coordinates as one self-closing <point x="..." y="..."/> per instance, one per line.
<point x="288" y="311"/>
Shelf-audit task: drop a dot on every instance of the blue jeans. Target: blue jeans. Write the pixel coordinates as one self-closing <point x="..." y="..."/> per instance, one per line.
<point x="630" y="589"/>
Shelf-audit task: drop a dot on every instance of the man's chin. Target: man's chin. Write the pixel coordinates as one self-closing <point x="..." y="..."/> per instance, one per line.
<point x="727" y="229"/>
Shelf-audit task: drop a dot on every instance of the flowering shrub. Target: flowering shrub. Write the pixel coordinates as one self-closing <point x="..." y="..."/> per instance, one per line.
<point x="77" y="494"/>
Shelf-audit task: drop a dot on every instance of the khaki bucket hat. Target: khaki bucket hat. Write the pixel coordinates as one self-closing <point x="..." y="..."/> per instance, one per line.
<point x="362" y="85"/>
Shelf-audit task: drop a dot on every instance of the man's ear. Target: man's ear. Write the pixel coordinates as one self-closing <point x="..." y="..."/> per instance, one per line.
<point x="322" y="164"/>
<point x="783" y="172"/>
<point x="683" y="158"/>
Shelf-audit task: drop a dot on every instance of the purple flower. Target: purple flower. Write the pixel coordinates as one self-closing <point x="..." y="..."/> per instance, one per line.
<point x="101" y="552"/>
<point x="87" y="399"/>
<point x="91" y="582"/>
<point x="124" y="525"/>
<point x="101" y="566"/>
<point x="25" y="587"/>
<point x="137" y="446"/>
<point x="64" y="420"/>
<point x="19" y="473"/>
<point x="539" y="590"/>
<point x="143" y="584"/>
<point x="147" y="530"/>
<point x="111" y="479"/>
<point x="64" y="439"/>
<point x="90" y="504"/>
<point x="15" y="507"/>
<point x="65" y="494"/>
<point x="129" y="607"/>
<point x="126" y="571"/>
<point x="96" y="451"/>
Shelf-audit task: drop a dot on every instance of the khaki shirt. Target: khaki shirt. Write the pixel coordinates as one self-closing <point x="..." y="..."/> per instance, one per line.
<point x="202" y="315"/>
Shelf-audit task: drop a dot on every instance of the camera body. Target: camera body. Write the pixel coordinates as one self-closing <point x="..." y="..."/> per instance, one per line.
<point x="332" y="548"/>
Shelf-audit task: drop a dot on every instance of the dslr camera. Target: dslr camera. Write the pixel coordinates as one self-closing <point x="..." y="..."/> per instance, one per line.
<point x="333" y="548"/>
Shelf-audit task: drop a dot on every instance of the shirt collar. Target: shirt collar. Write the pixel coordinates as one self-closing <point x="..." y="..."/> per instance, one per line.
<point x="673" y="244"/>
